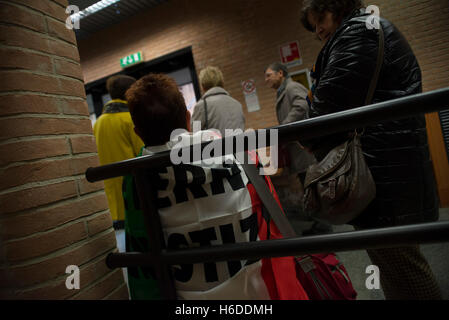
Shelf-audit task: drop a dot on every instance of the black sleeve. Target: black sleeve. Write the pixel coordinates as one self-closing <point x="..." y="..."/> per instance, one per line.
<point x="345" y="80"/>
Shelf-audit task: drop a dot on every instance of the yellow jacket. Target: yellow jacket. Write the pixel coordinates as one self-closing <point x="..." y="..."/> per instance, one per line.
<point x="116" y="141"/>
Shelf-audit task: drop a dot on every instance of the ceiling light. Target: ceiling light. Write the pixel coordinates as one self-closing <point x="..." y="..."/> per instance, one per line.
<point x="100" y="5"/>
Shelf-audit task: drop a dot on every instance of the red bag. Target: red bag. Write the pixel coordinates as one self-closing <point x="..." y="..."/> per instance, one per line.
<point x="323" y="277"/>
<point x="278" y="273"/>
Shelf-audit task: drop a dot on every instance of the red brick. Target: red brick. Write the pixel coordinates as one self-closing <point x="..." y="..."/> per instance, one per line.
<point x="33" y="149"/>
<point x="33" y="172"/>
<point x="45" y="219"/>
<point x="25" y="81"/>
<point x="19" y="59"/>
<point x="64" y="50"/>
<point x="37" y="196"/>
<point x="72" y="87"/>
<point x="21" y="103"/>
<point x="56" y="290"/>
<point x="83" y="144"/>
<point x="20" y="37"/>
<point x="20" y="81"/>
<point x="86" y="187"/>
<point x="59" y="30"/>
<point x="102" y="288"/>
<point x="35" y="103"/>
<point x="99" y="223"/>
<point x="46" y="7"/>
<point x="93" y="271"/>
<point x="31" y="126"/>
<point x="45" y="170"/>
<point x="14" y="36"/>
<point x="19" y="15"/>
<point x="54" y="267"/>
<point x="69" y="69"/>
<point x="45" y="243"/>
<point x="80" y="165"/>
<point x="74" y="107"/>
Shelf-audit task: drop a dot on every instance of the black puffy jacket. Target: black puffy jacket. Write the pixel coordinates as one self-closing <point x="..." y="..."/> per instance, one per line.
<point x="396" y="151"/>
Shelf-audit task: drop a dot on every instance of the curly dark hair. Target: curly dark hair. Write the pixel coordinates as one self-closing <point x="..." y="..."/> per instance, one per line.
<point x="117" y="85"/>
<point x="340" y="9"/>
<point x="157" y="108"/>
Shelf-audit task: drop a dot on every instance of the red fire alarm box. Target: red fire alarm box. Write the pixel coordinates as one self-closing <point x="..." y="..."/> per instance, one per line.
<point x="290" y="54"/>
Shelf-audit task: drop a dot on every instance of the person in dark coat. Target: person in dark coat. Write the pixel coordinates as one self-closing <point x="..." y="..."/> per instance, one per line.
<point x="396" y="151"/>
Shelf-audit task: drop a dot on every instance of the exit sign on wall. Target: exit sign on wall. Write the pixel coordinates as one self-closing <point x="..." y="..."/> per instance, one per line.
<point x="131" y="59"/>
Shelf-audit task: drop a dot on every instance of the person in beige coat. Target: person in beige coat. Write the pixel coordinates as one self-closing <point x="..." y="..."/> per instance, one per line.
<point x="217" y="109"/>
<point x="292" y="106"/>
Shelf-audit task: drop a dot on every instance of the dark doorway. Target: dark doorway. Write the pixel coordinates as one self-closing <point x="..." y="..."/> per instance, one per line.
<point x="180" y="65"/>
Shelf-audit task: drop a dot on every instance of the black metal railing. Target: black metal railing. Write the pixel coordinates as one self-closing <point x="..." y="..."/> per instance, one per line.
<point x="161" y="258"/>
<point x="345" y="241"/>
<point x="305" y="129"/>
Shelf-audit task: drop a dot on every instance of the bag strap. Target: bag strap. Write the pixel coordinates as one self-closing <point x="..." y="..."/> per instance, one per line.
<point x="205" y="107"/>
<point x="375" y="78"/>
<point x="268" y="200"/>
<point x="205" y="113"/>
<point x="380" y="58"/>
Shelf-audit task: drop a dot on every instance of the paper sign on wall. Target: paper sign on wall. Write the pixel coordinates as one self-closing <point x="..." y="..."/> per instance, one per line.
<point x="250" y="93"/>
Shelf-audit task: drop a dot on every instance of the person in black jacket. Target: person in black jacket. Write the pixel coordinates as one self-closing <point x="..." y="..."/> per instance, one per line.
<point x="396" y="151"/>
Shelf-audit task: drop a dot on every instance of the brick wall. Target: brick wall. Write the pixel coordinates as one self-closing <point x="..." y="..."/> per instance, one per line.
<point x="50" y="216"/>
<point x="240" y="37"/>
<point x="243" y="37"/>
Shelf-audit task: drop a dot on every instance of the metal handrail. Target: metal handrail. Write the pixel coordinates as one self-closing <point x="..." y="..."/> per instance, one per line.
<point x="300" y="130"/>
<point x="335" y="242"/>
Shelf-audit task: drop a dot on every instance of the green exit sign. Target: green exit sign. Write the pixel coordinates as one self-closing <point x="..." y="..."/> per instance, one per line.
<point x="131" y="59"/>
